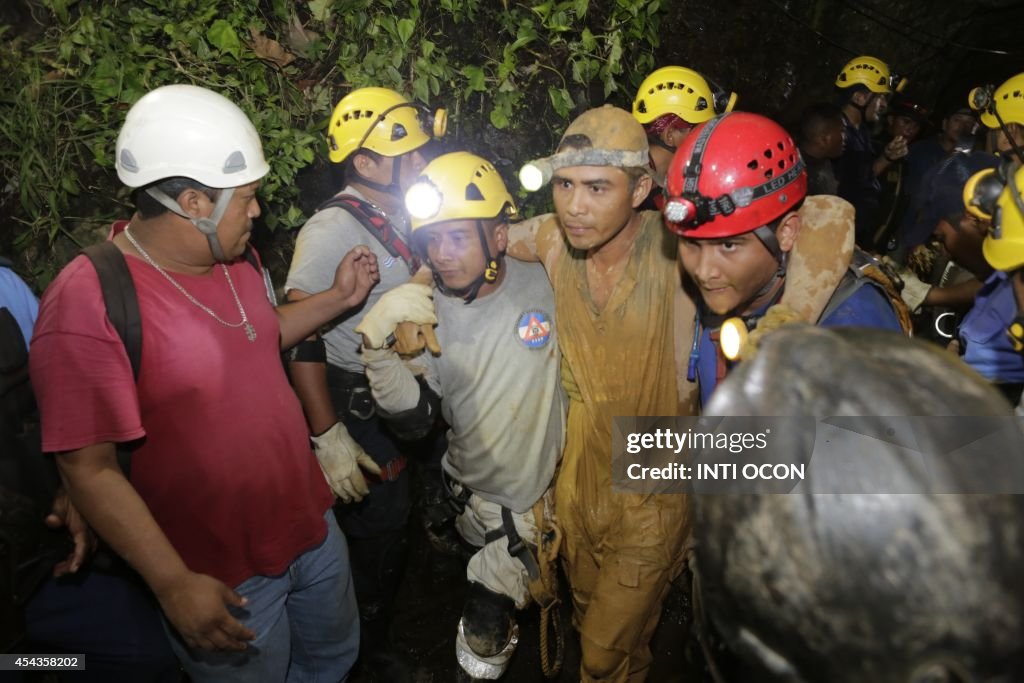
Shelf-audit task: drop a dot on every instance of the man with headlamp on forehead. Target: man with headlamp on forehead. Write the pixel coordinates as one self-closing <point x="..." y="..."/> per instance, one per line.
<point x="376" y="138"/>
<point x="736" y="199"/>
<point x="619" y="306"/>
<point x="498" y="386"/>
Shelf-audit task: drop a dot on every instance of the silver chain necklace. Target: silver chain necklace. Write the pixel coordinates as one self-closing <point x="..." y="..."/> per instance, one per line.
<point x="250" y="331"/>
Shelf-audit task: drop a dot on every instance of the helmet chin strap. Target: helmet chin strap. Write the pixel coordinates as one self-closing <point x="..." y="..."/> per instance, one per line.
<point x="862" y="108"/>
<point x="658" y="142"/>
<point x="1006" y="132"/>
<point x="771" y="243"/>
<point x="488" y="276"/>
<point x="393" y="187"/>
<point x="206" y="225"/>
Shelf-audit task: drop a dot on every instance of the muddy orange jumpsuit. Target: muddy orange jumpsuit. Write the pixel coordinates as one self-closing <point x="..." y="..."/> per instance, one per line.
<point x="620" y="550"/>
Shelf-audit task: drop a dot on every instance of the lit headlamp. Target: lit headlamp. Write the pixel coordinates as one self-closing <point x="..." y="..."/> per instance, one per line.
<point x="423" y="200"/>
<point x="679" y="211"/>
<point x="897" y="83"/>
<point x="732" y="337"/>
<point x="690" y="211"/>
<point x="535" y="175"/>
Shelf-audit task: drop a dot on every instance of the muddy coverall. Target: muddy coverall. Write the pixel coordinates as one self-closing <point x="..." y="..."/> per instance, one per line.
<point x="620" y="550"/>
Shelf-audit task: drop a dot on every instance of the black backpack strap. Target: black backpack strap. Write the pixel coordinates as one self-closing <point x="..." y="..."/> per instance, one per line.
<point x="253" y="260"/>
<point x="6" y="263"/>
<point x="378" y="225"/>
<point x="122" y="303"/>
<point x="120" y="298"/>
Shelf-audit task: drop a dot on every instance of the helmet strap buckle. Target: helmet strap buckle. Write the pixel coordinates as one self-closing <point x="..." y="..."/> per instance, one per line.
<point x="391" y="188"/>
<point x="488" y="276"/>
<point x="206" y="224"/>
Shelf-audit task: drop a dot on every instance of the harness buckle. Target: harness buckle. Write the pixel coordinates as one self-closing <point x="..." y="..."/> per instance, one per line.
<point x="360" y="403"/>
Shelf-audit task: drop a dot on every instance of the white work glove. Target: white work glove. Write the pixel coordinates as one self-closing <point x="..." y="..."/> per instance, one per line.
<point x="410" y="302"/>
<point x="392" y="381"/>
<point x="340" y="458"/>
<point x="914" y="290"/>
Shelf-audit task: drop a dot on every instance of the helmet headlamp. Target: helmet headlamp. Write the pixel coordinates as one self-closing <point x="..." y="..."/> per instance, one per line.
<point x="423" y="200"/>
<point x="535" y="175"/>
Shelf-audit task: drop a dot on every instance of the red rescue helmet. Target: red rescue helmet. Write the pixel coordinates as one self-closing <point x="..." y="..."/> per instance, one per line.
<point x="732" y="175"/>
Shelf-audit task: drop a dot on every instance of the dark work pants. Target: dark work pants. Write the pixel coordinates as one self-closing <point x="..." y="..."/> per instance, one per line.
<point x="113" y="620"/>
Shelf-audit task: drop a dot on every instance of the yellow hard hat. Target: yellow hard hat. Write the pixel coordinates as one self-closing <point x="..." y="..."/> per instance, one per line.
<point x="457" y="186"/>
<point x="870" y="72"/>
<point x="1007" y="100"/>
<point x="1004" y="245"/>
<point x="680" y="91"/>
<point x="381" y="121"/>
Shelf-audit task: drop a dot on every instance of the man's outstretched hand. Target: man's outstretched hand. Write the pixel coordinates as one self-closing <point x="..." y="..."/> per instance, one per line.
<point x="356" y="275"/>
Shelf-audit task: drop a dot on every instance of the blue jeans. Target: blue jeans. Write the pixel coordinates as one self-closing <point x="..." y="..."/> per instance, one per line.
<point x="306" y="623"/>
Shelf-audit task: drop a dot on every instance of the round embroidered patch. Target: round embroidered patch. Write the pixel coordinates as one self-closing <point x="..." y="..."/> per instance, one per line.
<point x="534" y="329"/>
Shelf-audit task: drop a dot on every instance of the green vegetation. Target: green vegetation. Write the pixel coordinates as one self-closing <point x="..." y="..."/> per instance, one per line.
<point x="505" y="71"/>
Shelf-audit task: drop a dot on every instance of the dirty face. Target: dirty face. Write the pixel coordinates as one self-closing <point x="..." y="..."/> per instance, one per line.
<point x="595" y="203"/>
<point x="728" y="272"/>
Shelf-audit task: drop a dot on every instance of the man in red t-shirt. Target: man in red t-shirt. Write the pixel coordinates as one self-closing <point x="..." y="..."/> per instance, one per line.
<point x="224" y="514"/>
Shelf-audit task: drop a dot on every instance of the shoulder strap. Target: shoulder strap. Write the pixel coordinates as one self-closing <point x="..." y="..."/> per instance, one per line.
<point x="120" y="298"/>
<point x="6" y="263"/>
<point x="377" y="224"/>
<point x="253" y="260"/>
<point x="864" y="270"/>
<point x="853" y="279"/>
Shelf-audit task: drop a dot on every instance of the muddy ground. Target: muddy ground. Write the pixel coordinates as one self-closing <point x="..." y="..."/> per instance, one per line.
<point x="430" y="604"/>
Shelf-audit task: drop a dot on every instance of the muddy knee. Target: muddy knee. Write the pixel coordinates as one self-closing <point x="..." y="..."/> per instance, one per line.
<point x="602" y="664"/>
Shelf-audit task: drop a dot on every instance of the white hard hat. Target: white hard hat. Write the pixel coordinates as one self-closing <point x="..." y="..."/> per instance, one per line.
<point x="191" y="132"/>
